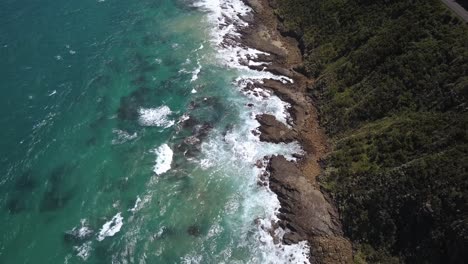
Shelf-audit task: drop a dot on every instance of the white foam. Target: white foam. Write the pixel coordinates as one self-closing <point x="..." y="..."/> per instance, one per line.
<point x="84" y="230"/>
<point x="226" y="18"/>
<point x="239" y="147"/>
<point x="206" y="164"/>
<point x="196" y="72"/>
<point x="135" y="207"/>
<point x="265" y="102"/>
<point x="164" y="159"/>
<point x="237" y="151"/>
<point x="83" y="251"/>
<point x="183" y="118"/>
<point x="81" y="232"/>
<point x="110" y="228"/>
<point x="156" y="117"/>
<point x="272" y="251"/>
<point x="192" y="259"/>
<point x="123" y="136"/>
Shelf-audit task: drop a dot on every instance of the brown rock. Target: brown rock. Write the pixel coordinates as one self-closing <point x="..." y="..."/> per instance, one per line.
<point x="259" y="164"/>
<point x="274" y="131"/>
<point x="307" y="214"/>
<point x="304" y="210"/>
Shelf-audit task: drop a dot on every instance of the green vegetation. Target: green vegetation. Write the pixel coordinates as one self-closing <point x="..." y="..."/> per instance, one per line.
<point x="392" y="92"/>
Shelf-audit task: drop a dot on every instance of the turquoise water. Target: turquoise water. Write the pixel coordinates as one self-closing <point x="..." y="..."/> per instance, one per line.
<point x="98" y="162"/>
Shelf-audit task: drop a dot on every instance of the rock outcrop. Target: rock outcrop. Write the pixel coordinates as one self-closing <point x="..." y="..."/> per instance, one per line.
<point x="305" y="212"/>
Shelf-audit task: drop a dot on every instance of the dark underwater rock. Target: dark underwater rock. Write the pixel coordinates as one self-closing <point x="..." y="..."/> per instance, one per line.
<point x="26" y="182"/>
<point x="194" y="230"/>
<point x="53" y="200"/>
<point x="15" y="205"/>
<point x="58" y="191"/>
<point x="130" y="105"/>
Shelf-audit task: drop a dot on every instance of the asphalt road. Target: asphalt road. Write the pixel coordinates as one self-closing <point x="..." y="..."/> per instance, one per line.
<point x="458" y="9"/>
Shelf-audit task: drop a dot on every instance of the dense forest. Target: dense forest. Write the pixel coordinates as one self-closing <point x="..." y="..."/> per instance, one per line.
<point x="392" y="92"/>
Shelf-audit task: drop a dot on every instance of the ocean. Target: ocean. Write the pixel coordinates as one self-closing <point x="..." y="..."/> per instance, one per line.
<point x="126" y="135"/>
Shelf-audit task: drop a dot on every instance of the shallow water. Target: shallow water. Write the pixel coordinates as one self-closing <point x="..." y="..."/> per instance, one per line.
<point x="126" y="136"/>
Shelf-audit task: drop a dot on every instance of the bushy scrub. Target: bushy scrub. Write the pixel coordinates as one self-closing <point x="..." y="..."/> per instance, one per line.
<point x="392" y="91"/>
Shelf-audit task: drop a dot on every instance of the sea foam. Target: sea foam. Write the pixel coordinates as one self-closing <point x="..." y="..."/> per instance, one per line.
<point x="111" y="227"/>
<point x="83" y="251"/>
<point x="156" y="116"/>
<point x="239" y="147"/>
<point x="164" y="156"/>
<point x="122" y="136"/>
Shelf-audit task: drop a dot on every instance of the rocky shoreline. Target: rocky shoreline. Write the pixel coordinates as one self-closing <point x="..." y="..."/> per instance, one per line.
<point x="306" y="213"/>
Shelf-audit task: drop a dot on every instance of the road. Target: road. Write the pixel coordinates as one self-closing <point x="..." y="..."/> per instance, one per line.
<point x="458" y="9"/>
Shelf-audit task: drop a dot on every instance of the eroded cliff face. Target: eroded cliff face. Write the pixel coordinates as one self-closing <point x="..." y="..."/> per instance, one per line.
<point x="305" y="212"/>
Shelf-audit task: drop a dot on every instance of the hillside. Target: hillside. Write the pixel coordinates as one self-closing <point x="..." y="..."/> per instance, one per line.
<point x="391" y="85"/>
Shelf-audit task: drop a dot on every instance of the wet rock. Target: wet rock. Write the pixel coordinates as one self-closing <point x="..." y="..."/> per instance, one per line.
<point x="259" y="164"/>
<point x="296" y="194"/>
<point x="305" y="212"/>
<point x="202" y="130"/>
<point x="255" y="132"/>
<point x="77" y="234"/>
<point x="190" y="123"/>
<point x="190" y="146"/>
<point x="292" y="238"/>
<point x="274" y="131"/>
<point x="227" y="129"/>
<point x="194" y="230"/>
<point x="165" y="233"/>
<point x="275" y="69"/>
<point x="257" y="221"/>
<point x="192" y="140"/>
<point x="189" y="151"/>
<point x="298" y="156"/>
<point x="192" y="105"/>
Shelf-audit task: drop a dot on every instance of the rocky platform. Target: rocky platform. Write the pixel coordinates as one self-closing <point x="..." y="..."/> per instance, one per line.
<point x="305" y="212"/>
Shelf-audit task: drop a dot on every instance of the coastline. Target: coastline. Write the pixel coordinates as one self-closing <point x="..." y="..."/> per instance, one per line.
<point x="306" y="213"/>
